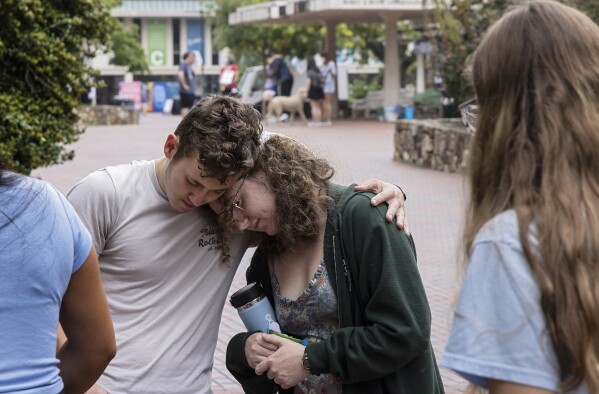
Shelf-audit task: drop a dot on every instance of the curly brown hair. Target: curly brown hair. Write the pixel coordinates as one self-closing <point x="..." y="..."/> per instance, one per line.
<point x="223" y="133"/>
<point x="299" y="181"/>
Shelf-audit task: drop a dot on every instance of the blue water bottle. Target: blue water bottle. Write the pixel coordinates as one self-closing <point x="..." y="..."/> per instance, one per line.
<point x="253" y="307"/>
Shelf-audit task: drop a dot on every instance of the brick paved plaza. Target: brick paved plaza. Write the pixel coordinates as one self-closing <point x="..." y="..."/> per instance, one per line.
<point x="359" y="150"/>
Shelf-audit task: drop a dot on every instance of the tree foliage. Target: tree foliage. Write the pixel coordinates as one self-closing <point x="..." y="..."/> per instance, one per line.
<point x="127" y="49"/>
<point x="43" y="47"/>
<point x="462" y="24"/>
<point x="249" y="42"/>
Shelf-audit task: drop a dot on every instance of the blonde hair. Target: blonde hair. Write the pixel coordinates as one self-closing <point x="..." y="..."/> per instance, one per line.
<point x="536" y="77"/>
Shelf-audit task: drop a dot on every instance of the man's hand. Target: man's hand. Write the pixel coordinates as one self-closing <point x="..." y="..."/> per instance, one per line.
<point x="96" y="389"/>
<point x="386" y="192"/>
<point x="285" y="365"/>
<point x="257" y="349"/>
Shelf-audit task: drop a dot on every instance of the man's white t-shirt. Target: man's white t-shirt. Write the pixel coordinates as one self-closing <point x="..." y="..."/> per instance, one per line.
<point x="164" y="279"/>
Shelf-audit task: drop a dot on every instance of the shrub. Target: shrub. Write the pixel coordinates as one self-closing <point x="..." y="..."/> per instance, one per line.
<point x="430" y="97"/>
<point x="358" y="89"/>
<point x="43" y="45"/>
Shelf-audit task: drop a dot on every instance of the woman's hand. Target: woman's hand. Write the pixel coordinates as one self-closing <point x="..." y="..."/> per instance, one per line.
<point x="285" y="365"/>
<point x="257" y="349"/>
<point x="393" y="196"/>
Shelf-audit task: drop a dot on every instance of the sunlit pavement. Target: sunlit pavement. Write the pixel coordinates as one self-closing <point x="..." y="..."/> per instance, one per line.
<point x="359" y="150"/>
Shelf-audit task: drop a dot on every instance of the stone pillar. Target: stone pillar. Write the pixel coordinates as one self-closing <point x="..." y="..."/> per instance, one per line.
<point x="391" y="84"/>
<point x="330" y="45"/>
<point x="420" y="82"/>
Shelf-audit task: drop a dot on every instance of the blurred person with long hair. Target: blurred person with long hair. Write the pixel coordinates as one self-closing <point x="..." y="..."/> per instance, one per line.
<point x="527" y="319"/>
<point x="315" y="92"/>
<point x="329" y="74"/>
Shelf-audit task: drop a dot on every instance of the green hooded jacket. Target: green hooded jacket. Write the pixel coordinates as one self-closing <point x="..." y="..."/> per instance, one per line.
<point x="383" y="342"/>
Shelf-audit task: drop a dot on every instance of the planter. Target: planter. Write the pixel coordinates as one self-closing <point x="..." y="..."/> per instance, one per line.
<point x="442" y="145"/>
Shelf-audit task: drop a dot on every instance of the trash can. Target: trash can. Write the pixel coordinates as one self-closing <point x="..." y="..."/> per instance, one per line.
<point x="408" y="112"/>
<point x="390" y="114"/>
<point x="450" y="111"/>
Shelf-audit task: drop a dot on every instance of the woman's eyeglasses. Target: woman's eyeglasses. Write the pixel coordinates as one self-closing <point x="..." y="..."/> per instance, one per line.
<point x="469" y="114"/>
<point x="238" y="212"/>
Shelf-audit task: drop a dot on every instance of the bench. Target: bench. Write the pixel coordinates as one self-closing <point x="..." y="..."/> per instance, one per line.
<point x="372" y="101"/>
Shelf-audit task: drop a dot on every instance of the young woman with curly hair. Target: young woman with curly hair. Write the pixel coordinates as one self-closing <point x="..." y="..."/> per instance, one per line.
<point x="527" y="320"/>
<point x="337" y="274"/>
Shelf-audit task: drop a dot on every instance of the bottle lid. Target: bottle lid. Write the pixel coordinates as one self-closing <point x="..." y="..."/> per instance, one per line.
<point x="246" y="294"/>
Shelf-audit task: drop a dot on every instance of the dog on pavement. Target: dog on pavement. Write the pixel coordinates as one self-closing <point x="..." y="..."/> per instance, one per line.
<point x="292" y="104"/>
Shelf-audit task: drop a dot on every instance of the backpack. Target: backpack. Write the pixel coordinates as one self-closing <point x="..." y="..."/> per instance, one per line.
<point x="316" y="81"/>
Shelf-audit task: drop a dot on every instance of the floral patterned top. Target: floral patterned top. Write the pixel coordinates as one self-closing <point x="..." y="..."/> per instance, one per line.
<point x="312" y="316"/>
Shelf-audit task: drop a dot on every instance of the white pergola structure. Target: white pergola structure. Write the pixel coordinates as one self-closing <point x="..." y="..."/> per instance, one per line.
<point x="332" y="12"/>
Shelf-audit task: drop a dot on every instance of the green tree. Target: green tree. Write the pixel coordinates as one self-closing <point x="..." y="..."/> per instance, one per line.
<point x="248" y="42"/>
<point x="43" y="47"/>
<point x="127" y="48"/>
<point x="364" y="39"/>
<point x="461" y="26"/>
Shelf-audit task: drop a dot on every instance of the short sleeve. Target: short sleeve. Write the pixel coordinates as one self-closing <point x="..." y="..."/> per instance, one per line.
<point x="94" y="200"/>
<point x="82" y="240"/>
<point x="499" y="330"/>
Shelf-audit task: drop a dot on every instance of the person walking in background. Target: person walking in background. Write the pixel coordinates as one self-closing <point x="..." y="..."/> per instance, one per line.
<point x="338" y="275"/>
<point x="186" y="82"/>
<point x="229" y="76"/>
<point x="165" y="269"/>
<point x="270" y="82"/>
<point x="280" y="71"/>
<point x="315" y="92"/>
<point x="270" y="86"/>
<point x="527" y="319"/>
<point x="329" y="73"/>
<point x="48" y="272"/>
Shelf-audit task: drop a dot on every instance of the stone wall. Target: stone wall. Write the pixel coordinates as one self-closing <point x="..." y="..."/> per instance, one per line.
<point x="107" y="115"/>
<point x="440" y="144"/>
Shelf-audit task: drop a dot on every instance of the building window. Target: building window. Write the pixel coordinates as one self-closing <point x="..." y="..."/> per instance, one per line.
<point x="176" y="41"/>
<point x="137" y="22"/>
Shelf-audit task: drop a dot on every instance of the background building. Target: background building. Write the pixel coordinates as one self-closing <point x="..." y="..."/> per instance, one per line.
<point x="167" y="30"/>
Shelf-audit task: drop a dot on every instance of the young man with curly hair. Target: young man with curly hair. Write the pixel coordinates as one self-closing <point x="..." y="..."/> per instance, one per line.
<point x="161" y="264"/>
